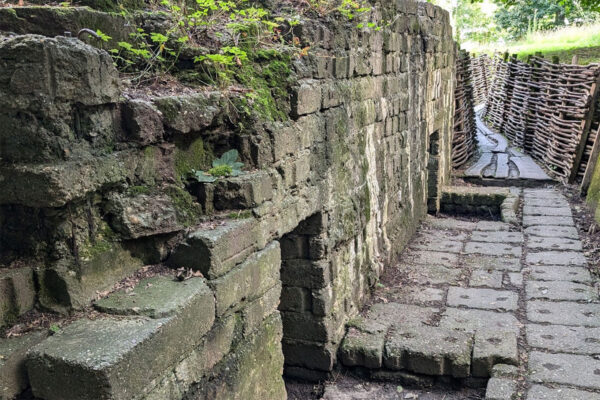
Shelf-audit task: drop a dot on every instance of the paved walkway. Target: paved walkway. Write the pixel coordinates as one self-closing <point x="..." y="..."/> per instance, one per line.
<point x="467" y="296"/>
<point x="498" y="161"/>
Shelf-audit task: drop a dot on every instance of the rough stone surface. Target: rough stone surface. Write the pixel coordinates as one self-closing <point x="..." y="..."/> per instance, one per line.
<point x="473" y="320"/>
<point x="215" y="250"/>
<point x="500" y="389"/>
<point x="488" y="278"/>
<point x="497" y="237"/>
<point x="538" y="392"/>
<point x="566" y="258"/>
<point x="566" y="369"/>
<point x="492" y="263"/>
<point x="563" y="313"/>
<point x="560" y="290"/>
<point x="157" y="297"/>
<point x="529" y="220"/>
<point x="487" y="299"/>
<point x="560" y="273"/>
<point x="13" y="371"/>
<point x="492" y="347"/>
<point x="564" y="339"/>
<point x="492" y="249"/>
<point x="554" y="231"/>
<point x="553" y="243"/>
<point x="429" y="351"/>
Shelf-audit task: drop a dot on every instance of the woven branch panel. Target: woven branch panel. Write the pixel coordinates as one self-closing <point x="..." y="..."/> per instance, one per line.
<point x="465" y="130"/>
<point x="548" y="110"/>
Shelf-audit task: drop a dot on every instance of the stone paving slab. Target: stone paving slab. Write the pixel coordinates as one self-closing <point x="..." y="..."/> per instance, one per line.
<point x="492" y="249"/>
<point x="472" y="320"/>
<point x="492" y="226"/>
<point x="515" y="279"/>
<point x="566" y="369"/>
<point x="429" y="350"/>
<point x="486" y="299"/>
<point x="419" y="295"/>
<point x="433" y="235"/>
<point x="548" y="202"/>
<point x="500" y="389"/>
<point x="560" y="273"/>
<point x="361" y="348"/>
<point x="493" y="347"/>
<point x="529" y="220"/>
<point x="546" y="243"/>
<point x="450" y="223"/>
<point x="477" y="169"/>
<point x="563" y="313"/>
<point x="560" y="290"/>
<point x="541" y="193"/>
<point x="433" y="274"/>
<point x="401" y="314"/>
<point x="488" y="278"/>
<point x="538" y="392"/>
<point x="497" y="237"/>
<point x="528" y="169"/>
<point x="430" y="257"/>
<point x="492" y="263"/>
<point x="449" y="246"/>
<point x="547" y="211"/>
<point x="565" y="258"/>
<point x="564" y="339"/>
<point x="557" y="231"/>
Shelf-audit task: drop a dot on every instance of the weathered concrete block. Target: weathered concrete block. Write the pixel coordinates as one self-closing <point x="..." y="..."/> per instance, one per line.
<point x="500" y="389"/>
<point x="244" y="191"/>
<point x="189" y="113"/>
<point x="115" y="358"/>
<point x="306" y="273"/>
<point x="429" y="351"/>
<point x="249" y="280"/>
<point x="255" y="313"/>
<point x="306" y="99"/>
<point x="493" y="347"/>
<point x="13" y="371"/>
<point x="214" y="250"/>
<point x="157" y="297"/>
<point x="142" y="122"/>
<point x="17" y="294"/>
<point x="55" y="185"/>
<point x="253" y="370"/>
<point x="143" y="215"/>
<point x="295" y="299"/>
<point x="363" y="348"/>
<point x="317" y="356"/>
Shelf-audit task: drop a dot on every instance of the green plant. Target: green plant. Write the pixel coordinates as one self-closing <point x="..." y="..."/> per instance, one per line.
<point x="226" y="165"/>
<point x="54" y="328"/>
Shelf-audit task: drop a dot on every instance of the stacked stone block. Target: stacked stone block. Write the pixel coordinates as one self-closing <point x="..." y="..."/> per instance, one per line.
<point x="330" y="196"/>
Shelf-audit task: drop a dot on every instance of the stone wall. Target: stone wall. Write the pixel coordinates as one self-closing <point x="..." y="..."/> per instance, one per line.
<point x="93" y="188"/>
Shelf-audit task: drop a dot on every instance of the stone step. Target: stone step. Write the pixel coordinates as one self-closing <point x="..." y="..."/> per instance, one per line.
<point x="396" y="337"/>
<point x="13" y="371"/>
<point x="117" y="358"/>
<point x="17" y="293"/>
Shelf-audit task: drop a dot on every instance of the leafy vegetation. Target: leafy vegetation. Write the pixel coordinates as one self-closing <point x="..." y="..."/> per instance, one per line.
<point x="226" y="165"/>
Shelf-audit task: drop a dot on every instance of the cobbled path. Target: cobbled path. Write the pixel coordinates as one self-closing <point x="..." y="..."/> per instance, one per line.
<point x="518" y="295"/>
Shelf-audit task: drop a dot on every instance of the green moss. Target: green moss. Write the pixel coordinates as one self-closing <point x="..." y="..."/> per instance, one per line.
<point x="187" y="210"/>
<point x="220" y="170"/>
<point x="269" y="76"/>
<point x="240" y="215"/>
<point x="192" y="155"/>
<point x="137" y="190"/>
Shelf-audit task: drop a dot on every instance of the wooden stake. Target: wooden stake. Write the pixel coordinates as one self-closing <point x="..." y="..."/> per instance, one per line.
<point x="586" y="126"/>
<point x="591" y="165"/>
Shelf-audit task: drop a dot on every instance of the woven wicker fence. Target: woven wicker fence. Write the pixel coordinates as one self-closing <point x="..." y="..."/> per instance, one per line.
<point x="464" y="137"/>
<point x="549" y="110"/>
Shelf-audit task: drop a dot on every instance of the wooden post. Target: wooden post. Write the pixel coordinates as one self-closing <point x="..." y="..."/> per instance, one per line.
<point x="575" y="60"/>
<point x="586" y="125"/>
<point x="591" y="165"/>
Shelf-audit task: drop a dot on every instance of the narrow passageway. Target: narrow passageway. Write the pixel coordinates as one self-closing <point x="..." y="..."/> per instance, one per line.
<point x="509" y="308"/>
